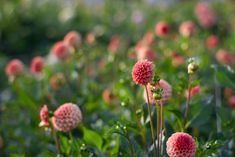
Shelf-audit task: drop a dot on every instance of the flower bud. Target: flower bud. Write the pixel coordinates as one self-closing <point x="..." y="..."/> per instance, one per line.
<point x="192" y="68"/>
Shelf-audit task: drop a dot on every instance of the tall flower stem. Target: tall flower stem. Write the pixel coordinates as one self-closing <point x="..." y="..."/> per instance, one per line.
<point x="161" y="127"/>
<point x="57" y="143"/>
<point x="151" y="122"/>
<point x="188" y="101"/>
<point x="158" y="111"/>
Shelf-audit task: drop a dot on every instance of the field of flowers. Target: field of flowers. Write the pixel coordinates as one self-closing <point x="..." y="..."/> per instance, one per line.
<point x="117" y="79"/>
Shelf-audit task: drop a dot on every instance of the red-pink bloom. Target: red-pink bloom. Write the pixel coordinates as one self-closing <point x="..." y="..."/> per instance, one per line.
<point x="37" y="65"/>
<point x="66" y="117"/>
<point x="212" y="41"/>
<point x="223" y="57"/>
<point x="162" y="29"/>
<point x="187" y="28"/>
<point x="145" y="53"/>
<point x="142" y="72"/>
<point x="231" y="101"/>
<point x="148" y="38"/>
<point x="90" y="38"/>
<point x="72" y="39"/>
<point x="44" y="116"/>
<point x="14" y="68"/>
<point x="177" y="59"/>
<point x="180" y="145"/>
<point x="61" y="51"/>
<point x="114" y="44"/>
<point x="167" y="91"/>
<point x="107" y="96"/>
<point x="194" y="91"/>
<point x="205" y="15"/>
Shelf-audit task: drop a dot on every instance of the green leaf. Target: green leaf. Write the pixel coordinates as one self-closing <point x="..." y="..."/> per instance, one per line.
<point x="224" y="80"/>
<point x="93" y="138"/>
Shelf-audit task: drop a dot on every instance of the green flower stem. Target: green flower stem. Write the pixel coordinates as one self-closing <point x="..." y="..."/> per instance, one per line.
<point x="188" y="101"/>
<point x="158" y="111"/>
<point x="57" y="142"/>
<point x="151" y="122"/>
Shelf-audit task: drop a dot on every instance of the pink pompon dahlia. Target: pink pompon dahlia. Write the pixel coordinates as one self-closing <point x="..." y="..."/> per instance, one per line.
<point x="167" y="91"/>
<point x="72" y="39"/>
<point x="194" y="91"/>
<point x="162" y="29"/>
<point x="37" y="65"/>
<point x="14" y="68"/>
<point x="212" y="41"/>
<point x="187" y="28"/>
<point x="205" y="15"/>
<point x="180" y="145"/>
<point x="61" y="51"/>
<point x="224" y="57"/>
<point x="231" y="102"/>
<point x="66" y="117"/>
<point x="142" y="72"/>
<point x="114" y="44"/>
<point x="145" y="53"/>
<point x="177" y="59"/>
<point x="44" y="116"/>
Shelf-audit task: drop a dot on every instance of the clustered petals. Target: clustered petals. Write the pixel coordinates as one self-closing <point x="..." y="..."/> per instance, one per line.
<point x="72" y="39"/>
<point x="66" y="117"/>
<point x="37" y="65"/>
<point x="60" y="50"/>
<point x="167" y="91"/>
<point x="14" y="68"/>
<point x="44" y="116"/>
<point x="181" y="145"/>
<point x="142" y="72"/>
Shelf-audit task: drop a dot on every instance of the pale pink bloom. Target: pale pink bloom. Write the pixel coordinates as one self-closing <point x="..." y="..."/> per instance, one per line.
<point x="224" y="57"/>
<point x="67" y="117"/>
<point x="72" y="39"/>
<point x="61" y="51"/>
<point x="167" y="92"/>
<point x="187" y="28"/>
<point x="14" y="68"/>
<point x="180" y="145"/>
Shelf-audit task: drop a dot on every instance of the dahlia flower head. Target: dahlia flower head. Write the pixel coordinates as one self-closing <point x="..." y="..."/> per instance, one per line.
<point x="231" y="101"/>
<point x="90" y="38"/>
<point x="37" y="65"/>
<point x="212" y="41"/>
<point x="177" y="59"/>
<point x="187" y="28"/>
<point x="66" y="117"/>
<point x="193" y="91"/>
<point x="167" y="92"/>
<point x="14" y="68"/>
<point x="145" y="53"/>
<point x="107" y="96"/>
<point x="142" y="72"/>
<point x="148" y="38"/>
<point x="114" y="44"/>
<point x="224" y="57"/>
<point x="72" y="39"/>
<point x="61" y="50"/>
<point x="44" y="116"/>
<point x="205" y="15"/>
<point x="162" y="29"/>
<point x="180" y="144"/>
